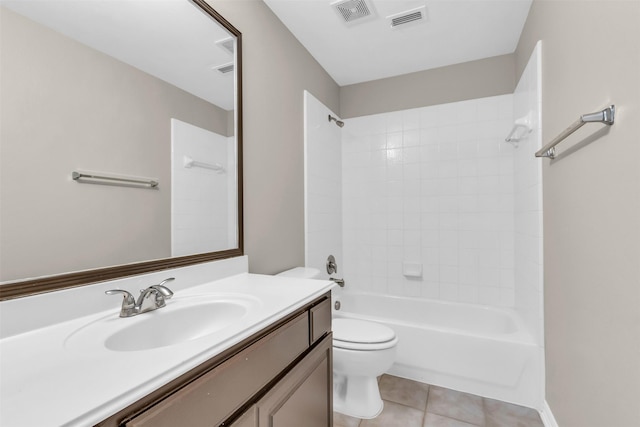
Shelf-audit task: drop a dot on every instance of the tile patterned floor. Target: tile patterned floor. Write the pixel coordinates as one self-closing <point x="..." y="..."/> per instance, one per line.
<point x="412" y="404"/>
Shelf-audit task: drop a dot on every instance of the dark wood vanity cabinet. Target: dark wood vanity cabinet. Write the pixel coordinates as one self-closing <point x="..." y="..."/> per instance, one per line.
<point x="280" y="377"/>
<point x="302" y="398"/>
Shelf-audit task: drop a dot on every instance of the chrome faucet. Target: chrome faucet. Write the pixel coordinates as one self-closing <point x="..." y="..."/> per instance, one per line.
<point x="340" y="282"/>
<point x="152" y="298"/>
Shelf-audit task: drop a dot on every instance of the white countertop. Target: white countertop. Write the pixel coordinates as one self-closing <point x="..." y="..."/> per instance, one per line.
<point x="47" y="379"/>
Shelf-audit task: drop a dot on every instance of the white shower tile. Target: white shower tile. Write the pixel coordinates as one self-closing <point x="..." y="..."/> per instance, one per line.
<point x="411" y="138"/>
<point x="507" y="279"/>
<point x="467" y="111"/>
<point x="449" y="221"/>
<point x="447" y="136"/>
<point x="468" y="167"/>
<point x="411" y="119"/>
<point x="505" y="107"/>
<point x="467" y="294"/>
<point x="411" y="155"/>
<point x="411" y="252"/>
<point x="393" y="121"/>
<point x="447" y="186"/>
<point x="489" y="295"/>
<point x="412" y="288"/>
<point x="468" y="275"/>
<point x="429" y="149"/>
<point x="488" y="166"/>
<point x="467" y="204"/>
<point x="488" y="109"/>
<point x="448" y="169"/>
<point x="411" y="220"/>
<point x="411" y="237"/>
<point x="468" y="149"/>
<point x="379" y="285"/>
<point x="449" y="292"/>
<point x="430" y="221"/>
<point x="429" y="204"/>
<point x="378" y="141"/>
<point x="466" y="132"/>
<point x="428" y="170"/>
<point x="430" y="238"/>
<point x="448" y="204"/>
<point x="428" y="117"/>
<point x="430" y="290"/>
<point x="446" y="114"/>
<point x="507" y="297"/>
<point x="448" y="239"/>
<point x="449" y="257"/>
<point x="394" y="140"/>
<point x="395" y="237"/>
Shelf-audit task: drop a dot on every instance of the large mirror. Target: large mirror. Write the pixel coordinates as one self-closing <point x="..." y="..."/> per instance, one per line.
<point x="120" y="143"/>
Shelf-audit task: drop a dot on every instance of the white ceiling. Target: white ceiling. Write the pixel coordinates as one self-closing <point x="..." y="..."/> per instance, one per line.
<point x="169" y="39"/>
<point x="455" y="31"/>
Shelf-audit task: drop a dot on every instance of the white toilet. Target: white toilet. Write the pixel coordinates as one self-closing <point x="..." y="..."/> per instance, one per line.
<point x="362" y="351"/>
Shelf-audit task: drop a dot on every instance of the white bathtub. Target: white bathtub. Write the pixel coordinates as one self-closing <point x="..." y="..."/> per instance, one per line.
<point x="481" y="350"/>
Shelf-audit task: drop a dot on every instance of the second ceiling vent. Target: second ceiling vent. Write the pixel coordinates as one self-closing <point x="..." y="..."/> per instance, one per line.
<point x="404" y="19"/>
<point x="353" y="11"/>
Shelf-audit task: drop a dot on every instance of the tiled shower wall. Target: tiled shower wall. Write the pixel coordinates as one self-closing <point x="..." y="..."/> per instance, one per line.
<point x="428" y="202"/>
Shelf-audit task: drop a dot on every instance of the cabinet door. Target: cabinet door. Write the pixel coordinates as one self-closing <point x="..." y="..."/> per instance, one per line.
<point x="248" y="419"/>
<point x="304" y="396"/>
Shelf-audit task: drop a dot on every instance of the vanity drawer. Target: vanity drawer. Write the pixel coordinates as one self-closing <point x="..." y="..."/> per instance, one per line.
<point x="320" y="320"/>
<point x="213" y="397"/>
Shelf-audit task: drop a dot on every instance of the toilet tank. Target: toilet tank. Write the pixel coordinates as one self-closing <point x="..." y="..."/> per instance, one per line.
<point x="301" y="273"/>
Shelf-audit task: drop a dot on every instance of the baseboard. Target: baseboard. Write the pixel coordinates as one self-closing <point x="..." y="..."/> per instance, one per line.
<point x="547" y="416"/>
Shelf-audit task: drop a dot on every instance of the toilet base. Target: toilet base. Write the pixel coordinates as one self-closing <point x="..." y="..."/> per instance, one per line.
<point x="357" y="396"/>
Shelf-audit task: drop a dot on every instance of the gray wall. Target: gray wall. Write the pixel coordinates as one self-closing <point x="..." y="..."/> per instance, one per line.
<point x="65" y="107"/>
<point x="590" y="58"/>
<point x="277" y="69"/>
<point x="470" y="80"/>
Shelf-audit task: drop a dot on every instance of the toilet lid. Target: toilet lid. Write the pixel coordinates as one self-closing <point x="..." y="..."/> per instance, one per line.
<point x="361" y="332"/>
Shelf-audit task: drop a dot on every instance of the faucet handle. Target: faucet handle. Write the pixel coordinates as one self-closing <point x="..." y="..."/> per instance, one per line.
<point x="128" y="298"/>
<point x="128" y="301"/>
<point x="163" y="290"/>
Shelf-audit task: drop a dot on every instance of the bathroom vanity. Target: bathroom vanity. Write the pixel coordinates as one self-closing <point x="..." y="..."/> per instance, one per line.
<point x="283" y="373"/>
<point x="77" y="363"/>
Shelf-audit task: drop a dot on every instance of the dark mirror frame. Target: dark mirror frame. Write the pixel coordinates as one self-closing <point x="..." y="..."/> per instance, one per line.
<point x="69" y="280"/>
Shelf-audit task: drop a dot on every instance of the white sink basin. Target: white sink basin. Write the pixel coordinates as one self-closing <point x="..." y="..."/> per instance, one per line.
<point x="183" y="319"/>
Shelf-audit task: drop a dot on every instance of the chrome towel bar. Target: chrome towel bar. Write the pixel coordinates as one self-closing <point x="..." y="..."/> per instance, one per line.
<point x="605" y="116"/>
<point x="92" y="178"/>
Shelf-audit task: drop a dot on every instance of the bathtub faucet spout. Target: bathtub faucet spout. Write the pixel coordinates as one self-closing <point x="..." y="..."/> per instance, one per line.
<point x="340" y="282"/>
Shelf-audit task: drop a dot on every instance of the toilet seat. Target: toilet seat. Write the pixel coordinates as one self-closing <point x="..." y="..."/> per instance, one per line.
<point x="353" y="334"/>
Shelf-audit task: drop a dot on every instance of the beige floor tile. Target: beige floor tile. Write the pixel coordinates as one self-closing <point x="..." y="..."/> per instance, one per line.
<point x="342" y="420"/>
<point x="454" y="404"/>
<point x="502" y="414"/>
<point x="434" y="420"/>
<point x="396" y="415"/>
<point x="403" y="391"/>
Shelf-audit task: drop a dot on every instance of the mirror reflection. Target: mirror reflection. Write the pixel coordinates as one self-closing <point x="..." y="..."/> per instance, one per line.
<point x="133" y="90"/>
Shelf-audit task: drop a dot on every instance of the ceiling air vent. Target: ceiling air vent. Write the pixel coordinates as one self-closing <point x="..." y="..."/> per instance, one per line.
<point x="353" y="11"/>
<point x="227" y="44"/>
<point x="412" y="16"/>
<point x="224" y="69"/>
